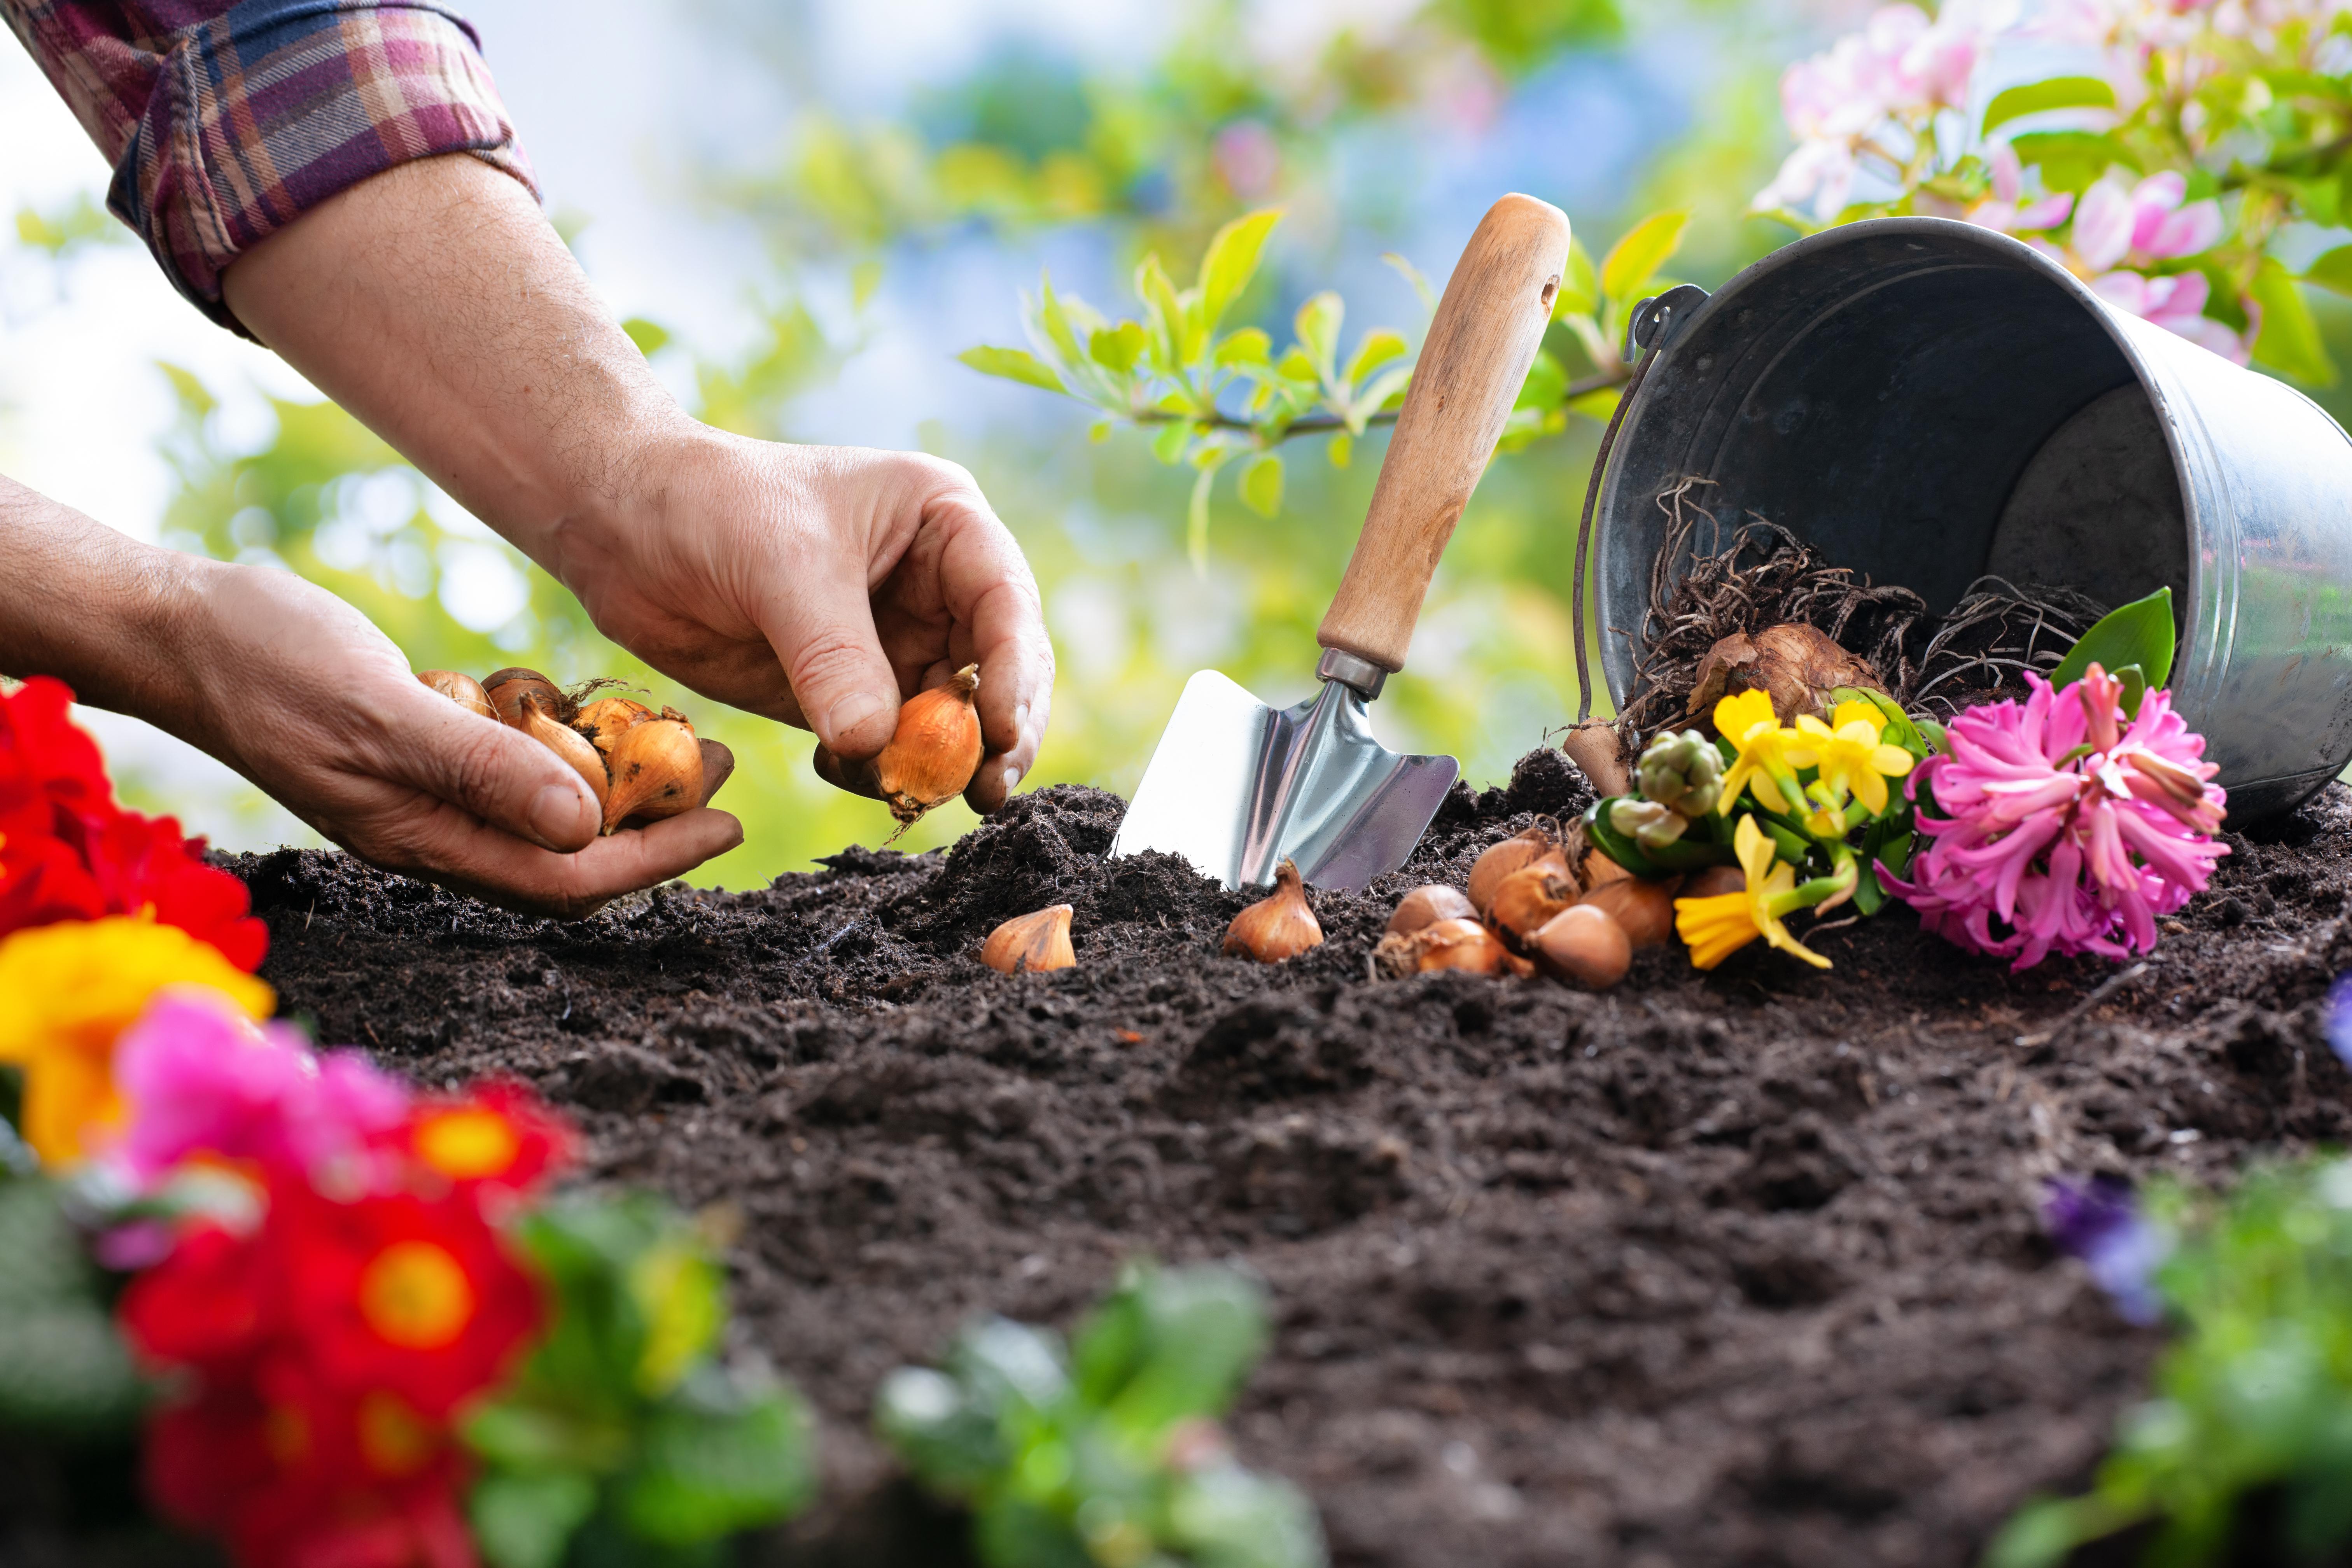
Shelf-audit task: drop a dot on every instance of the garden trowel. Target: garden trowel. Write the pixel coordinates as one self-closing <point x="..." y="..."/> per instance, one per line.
<point x="1235" y="786"/>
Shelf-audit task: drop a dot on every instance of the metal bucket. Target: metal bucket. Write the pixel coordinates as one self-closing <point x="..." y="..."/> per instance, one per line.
<point x="1928" y="401"/>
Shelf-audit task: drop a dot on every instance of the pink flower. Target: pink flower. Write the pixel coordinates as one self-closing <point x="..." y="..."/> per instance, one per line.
<point x="198" y="1079"/>
<point x="2072" y="826"/>
<point x="2006" y="210"/>
<point x="2146" y="221"/>
<point x="2176" y="303"/>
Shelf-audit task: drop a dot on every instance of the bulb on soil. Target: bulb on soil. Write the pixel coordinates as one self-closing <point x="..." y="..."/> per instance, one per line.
<point x="1714" y="882"/>
<point x="1529" y="896"/>
<point x="1586" y="945"/>
<point x="607" y="719"/>
<point x="1427" y="905"/>
<point x="463" y="689"/>
<point x="506" y="688"/>
<point x="1643" y="907"/>
<point x="656" y="772"/>
<point x="1513" y="854"/>
<point x="1459" y="945"/>
<point x="1598" y="754"/>
<point x="931" y="758"/>
<point x="1031" y="942"/>
<point x="1796" y="665"/>
<point x="569" y="744"/>
<point x="1278" y="926"/>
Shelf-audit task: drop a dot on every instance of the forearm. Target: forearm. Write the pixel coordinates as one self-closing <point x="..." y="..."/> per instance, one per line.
<point x="435" y="303"/>
<point x="103" y="613"/>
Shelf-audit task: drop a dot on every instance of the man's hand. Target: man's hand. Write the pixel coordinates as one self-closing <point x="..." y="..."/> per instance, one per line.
<point x="817" y="585"/>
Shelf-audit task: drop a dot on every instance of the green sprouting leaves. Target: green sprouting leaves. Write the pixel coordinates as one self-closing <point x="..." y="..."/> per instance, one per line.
<point x="2289" y="340"/>
<point x="1635" y="258"/>
<point x="2254" y="1394"/>
<point x="2052" y="92"/>
<point x="624" y="1420"/>
<point x="2138" y="634"/>
<point x="1021" y="366"/>
<point x="1107" y="1451"/>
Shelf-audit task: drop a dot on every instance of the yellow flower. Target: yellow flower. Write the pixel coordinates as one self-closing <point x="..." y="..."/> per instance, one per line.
<point x="69" y="990"/>
<point x="1718" y="927"/>
<point x="1748" y="721"/>
<point x="1852" y="761"/>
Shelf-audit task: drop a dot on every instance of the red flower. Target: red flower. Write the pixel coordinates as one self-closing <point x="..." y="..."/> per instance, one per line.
<point x="296" y="1474"/>
<point x="500" y="1135"/>
<point x="211" y="1303"/>
<point x="419" y="1297"/>
<point x="68" y="852"/>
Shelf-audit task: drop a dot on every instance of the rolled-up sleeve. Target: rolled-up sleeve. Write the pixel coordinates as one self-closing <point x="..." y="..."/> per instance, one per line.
<point x="227" y="122"/>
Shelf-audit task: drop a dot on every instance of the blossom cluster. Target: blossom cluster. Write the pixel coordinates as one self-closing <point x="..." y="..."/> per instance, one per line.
<point x="2063" y="824"/>
<point x="1894" y="119"/>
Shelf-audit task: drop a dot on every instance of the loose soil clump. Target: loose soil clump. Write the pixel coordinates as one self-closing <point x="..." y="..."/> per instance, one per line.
<point x="1733" y="1268"/>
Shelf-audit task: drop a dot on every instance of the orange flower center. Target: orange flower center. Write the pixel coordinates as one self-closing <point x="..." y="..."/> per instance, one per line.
<point x="393" y="1439"/>
<point x="468" y="1144"/>
<point x="416" y="1296"/>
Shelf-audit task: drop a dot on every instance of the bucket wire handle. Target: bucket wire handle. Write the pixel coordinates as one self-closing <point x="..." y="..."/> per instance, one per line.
<point x="1646" y="329"/>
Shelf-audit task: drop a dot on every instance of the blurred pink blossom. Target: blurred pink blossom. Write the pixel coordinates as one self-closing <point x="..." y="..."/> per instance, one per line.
<point x="198" y="1079"/>
<point x="2073" y="825"/>
<point x="2145" y="221"/>
<point x="2176" y="303"/>
<point x="1249" y="158"/>
<point x="2006" y="209"/>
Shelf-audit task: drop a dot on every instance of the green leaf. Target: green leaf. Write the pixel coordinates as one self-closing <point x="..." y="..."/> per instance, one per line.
<point x="1196" y="523"/>
<point x="1341" y="450"/>
<point x="1413" y="275"/>
<point x="1116" y="349"/>
<point x="1013" y="364"/>
<point x="1547" y="383"/>
<point x="1248" y="346"/>
<point x="1166" y="311"/>
<point x="2139" y="633"/>
<point x="1231" y="261"/>
<point x="1379" y="346"/>
<point x="526" y="1521"/>
<point x="1579" y="285"/>
<point x="1261" y="484"/>
<point x="707" y="1472"/>
<point x="651" y="337"/>
<point x="2289" y="340"/>
<point x="1054" y="321"/>
<point x="1386" y="389"/>
<point x="2071" y="160"/>
<point x="1317" y="325"/>
<point x="1170" y="444"/>
<point x="1635" y="260"/>
<point x="2041" y="97"/>
<point x="2332" y="270"/>
<point x="865" y="281"/>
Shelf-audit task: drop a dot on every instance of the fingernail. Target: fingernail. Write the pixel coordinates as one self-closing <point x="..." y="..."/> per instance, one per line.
<point x="555" y="814"/>
<point x="847" y="712"/>
<point x="1011" y="777"/>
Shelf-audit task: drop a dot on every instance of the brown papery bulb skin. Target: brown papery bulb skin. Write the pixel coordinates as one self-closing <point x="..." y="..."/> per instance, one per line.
<point x="1585" y="944"/>
<point x="1714" y="882"/>
<point x="569" y="744"/>
<point x="1031" y="942"/>
<point x="1513" y="854"/>
<point x="1428" y="904"/>
<point x="1459" y="945"/>
<point x="1643" y="907"/>
<point x="936" y="749"/>
<point x="607" y="719"/>
<point x="463" y="689"/>
<point x="1280" y="925"/>
<point x="1531" y="896"/>
<point x="507" y="687"/>
<point x="656" y="772"/>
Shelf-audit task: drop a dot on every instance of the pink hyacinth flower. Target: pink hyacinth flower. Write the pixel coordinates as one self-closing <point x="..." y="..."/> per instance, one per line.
<point x="200" y="1079"/>
<point x="2039" y="849"/>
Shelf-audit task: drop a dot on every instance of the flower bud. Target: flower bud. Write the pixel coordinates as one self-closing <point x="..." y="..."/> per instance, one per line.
<point x="1031" y="943"/>
<point x="1278" y="926"/>
<point x="1684" y="772"/>
<point x="1647" y="823"/>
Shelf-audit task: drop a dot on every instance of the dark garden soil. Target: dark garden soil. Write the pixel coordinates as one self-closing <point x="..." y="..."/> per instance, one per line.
<point x="1708" y="1269"/>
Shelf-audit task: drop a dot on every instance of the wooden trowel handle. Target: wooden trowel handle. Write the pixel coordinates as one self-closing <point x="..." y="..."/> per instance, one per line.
<point x="1485" y="337"/>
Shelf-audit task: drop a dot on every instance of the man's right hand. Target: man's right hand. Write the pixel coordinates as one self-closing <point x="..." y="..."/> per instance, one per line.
<point x="300" y="693"/>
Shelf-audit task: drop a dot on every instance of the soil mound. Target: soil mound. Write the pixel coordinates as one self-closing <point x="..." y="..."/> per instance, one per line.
<point x="1739" y="1267"/>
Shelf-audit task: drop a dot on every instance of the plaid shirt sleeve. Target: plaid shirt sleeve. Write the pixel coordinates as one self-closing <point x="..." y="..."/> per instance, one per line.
<point x="225" y="123"/>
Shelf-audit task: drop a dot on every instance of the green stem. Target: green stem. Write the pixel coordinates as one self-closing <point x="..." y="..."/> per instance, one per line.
<point x="1332" y="425"/>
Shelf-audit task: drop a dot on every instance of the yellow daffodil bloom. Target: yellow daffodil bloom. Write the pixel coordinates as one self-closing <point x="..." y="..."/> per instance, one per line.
<point x="1748" y="721"/>
<point x="69" y="990"/>
<point x="1853" y="761"/>
<point x="1718" y="927"/>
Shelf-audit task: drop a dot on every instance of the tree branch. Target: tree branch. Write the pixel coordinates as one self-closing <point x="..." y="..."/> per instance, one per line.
<point x="1331" y="424"/>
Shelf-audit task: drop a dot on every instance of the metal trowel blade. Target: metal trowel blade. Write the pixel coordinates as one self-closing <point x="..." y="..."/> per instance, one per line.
<point x="1236" y="787"/>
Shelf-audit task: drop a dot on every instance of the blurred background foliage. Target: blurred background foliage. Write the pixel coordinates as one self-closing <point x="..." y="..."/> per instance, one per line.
<point x="893" y="231"/>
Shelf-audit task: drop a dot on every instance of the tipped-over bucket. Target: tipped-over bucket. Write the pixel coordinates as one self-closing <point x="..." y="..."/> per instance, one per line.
<point x="1928" y="401"/>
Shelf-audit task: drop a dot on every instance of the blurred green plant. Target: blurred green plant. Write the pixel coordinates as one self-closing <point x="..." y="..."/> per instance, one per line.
<point x="2255" y="1396"/>
<point x="1213" y="396"/>
<point x="1106" y="1455"/>
<point x="64" y="1369"/>
<point x="69" y="226"/>
<point x="624" y="1439"/>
